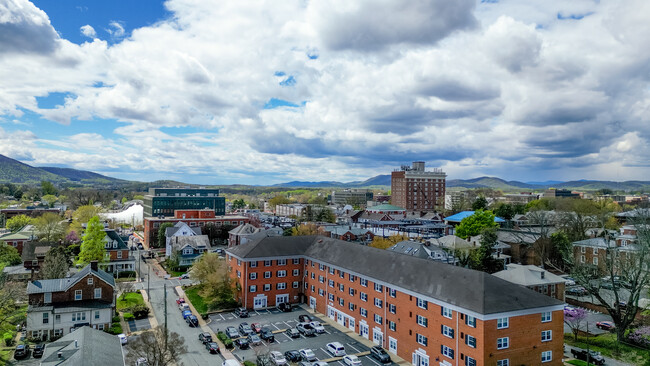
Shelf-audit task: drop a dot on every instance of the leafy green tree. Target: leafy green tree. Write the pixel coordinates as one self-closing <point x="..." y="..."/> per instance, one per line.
<point x="326" y="215"/>
<point x="561" y="254"/>
<point x="505" y="211"/>
<point x="47" y="188"/>
<point x="18" y="222"/>
<point x="9" y="256"/>
<point x="305" y="229"/>
<point x="56" y="264"/>
<point x="278" y="200"/>
<point x="92" y="245"/>
<point x="474" y="224"/>
<point x="161" y="242"/>
<point x="238" y="204"/>
<point x="480" y="203"/>
<point x="82" y="215"/>
<point x="49" y="199"/>
<point x="482" y="259"/>
<point x="49" y="227"/>
<point x="542" y="204"/>
<point x="212" y="274"/>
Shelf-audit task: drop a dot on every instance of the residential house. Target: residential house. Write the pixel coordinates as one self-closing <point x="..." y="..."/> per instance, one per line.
<point x="535" y="278"/>
<point x="19" y="238"/>
<point x="59" y="306"/>
<point x="118" y="256"/>
<point x="17" y="273"/>
<point x="179" y="229"/>
<point x="241" y="233"/>
<point x="423" y="250"/>
<point x="188" y="248"/>
<point x="84" y="346"/>
<point x="34" y="255"/>
<point x="349" y="233"/>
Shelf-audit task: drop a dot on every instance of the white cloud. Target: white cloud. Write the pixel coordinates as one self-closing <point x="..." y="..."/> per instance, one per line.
<point x="88" y="31"/>
<point x="116" y="29"/>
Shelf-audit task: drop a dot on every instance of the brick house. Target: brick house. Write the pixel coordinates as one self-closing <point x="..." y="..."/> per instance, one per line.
<point x="118" y="256"/>
<point x="34" y="255"/>
<point x="19" y="238"/>
<point x="416" y="308"/>
<point x="59" y="306"/>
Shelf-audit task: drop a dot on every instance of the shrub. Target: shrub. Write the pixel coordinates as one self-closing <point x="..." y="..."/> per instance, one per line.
<point x="140" y="311"/>
<point x="125" y="274"/>
<point x="204" y="316"/>
<point x="128" y="316"/>
<point x="116" y="319"/>
<point x="222" y="336"/>
<point x="249" y="363"/>
<point x="228" y="343"/>
<point x="8" y="339"/>
<point x="115" y="328"/>
<point x="640" y="337"/>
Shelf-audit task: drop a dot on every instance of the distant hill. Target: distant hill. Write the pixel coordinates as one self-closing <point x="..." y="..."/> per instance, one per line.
<point x="491" y="182"/>
<point x="81" y="175"/>
<point x="379" y="180"/>
<point x="13" y="171"/>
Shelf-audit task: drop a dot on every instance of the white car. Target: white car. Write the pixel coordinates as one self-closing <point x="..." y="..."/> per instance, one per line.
<point x="352" y="360"/>
<point x="308" y="355"/>
<point x="318" y="327"/>
<point x="336" y="348"/>
<point x="277" y="358"/>
<point x="122" y="338"/>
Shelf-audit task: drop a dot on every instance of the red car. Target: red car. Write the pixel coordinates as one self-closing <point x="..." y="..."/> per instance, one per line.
<point x="257" y="327"/>
<point x="180" y="300"/>
<point x="606" y="325"/>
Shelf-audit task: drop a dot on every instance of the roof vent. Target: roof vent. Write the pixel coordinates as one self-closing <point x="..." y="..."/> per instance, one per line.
<point x="60" y="354"/>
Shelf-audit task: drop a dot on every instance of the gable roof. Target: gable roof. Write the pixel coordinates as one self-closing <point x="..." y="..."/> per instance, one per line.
<point x="93" y="347"/>
<point x="385" y="207"/>
<point x="446" y="283"/>
<point x="113" y="236"/>
<point x="31" y="248"/>
<point x="194" y="241"/>
<point x="172" y="230"/>
<point x="528" y="275"/>
<point x="452" y="242"/>
<point x="244" y="229"/>
<point x="63" y="284"/>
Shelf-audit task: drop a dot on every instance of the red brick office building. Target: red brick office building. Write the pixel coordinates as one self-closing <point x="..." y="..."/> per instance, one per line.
<point x="416" y="189"/>
<point x="421" y="310"/>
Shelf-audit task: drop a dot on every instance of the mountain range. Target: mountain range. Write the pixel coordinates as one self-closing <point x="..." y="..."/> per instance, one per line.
<point x="13" y="171"/>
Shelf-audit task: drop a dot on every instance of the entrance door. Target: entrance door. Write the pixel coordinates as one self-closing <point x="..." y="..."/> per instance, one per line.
<point x="392" y="345"/>
<point x="279" y="299"/>
<point x="312" y="302"/>
<point x="259" y="302"/>
<point x="420" y="359"/>
<point x="351" y="324"/>
<point x="363" y="330"/>
<point x="330" y="313"/>
<point x="377" y="337"/>
<point x="339" y="318"/>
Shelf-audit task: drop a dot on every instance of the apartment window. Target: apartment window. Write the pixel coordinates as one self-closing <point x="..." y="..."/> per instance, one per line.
<point x="330" y="283"/>
<point x="321" y="267"/>
<point x="282" y="262"/>
<point x="98" y="293"/>
<point x="422" y="304"/>
<point x="364" y="312"/>
<point x="47" y="297"/>
<point x="282" y="286"/>
<point x="583" y="250"/>
<point x="267" y="263"/>
<point x="296" y="284"/>
<point x="296" y="261"/>
<point x="267" y="274"/>
<point x="595" y="261"/>
<point x="238" y="261"/>
<point x="505" y="362"/>
<point x="238" y="274"/>
<point x="470" y="361"/>
<point x="313" y="288"/>
<point x="267" y="287"/>
<point x="421" y="321"/>
<point x="341" y="287"/>
<point x="423" y="340"/>
<point x="392" y="292"/>
<point x="470" y="320"/>
<point x="447" y="331"/>
<point x="595" y="251"/>
<point x="351" y="291"/>
<point x="46" y="318"/>
<point x="546" y="335"/>
<point x="78" y="316"/>
<point x="252" y="288"/>
<point x="446" y="312"/>
<point x="321" y="292"/>
<point x="503" y="343"/>
<point x="547" y="356"/>
<point x="119" y="254"/>
<point x="282" y="273"/>
<point x="378" y="287"/>
<point x="582" y="259"/>
<point x="546" y="317"/>
<point x="502" y="323"/>
<point x="313" y="275"/>
<point x="296" y="272"/>
<point x="330" y="297"/>
<point x="253" y="264"/>
<point x="341" y="274"/>
<point x="252" y="275"/>
<point x="364" y="296"/>
<point x="378" y="319"/>
<point x="392" y="308"/>
<point x="352" y="277"/>
<point x="391" y="326"/>
<point x="312" y="264"/>
<point x="331" y="270"/>
<point x="77" y="295"/>
<point x="341" y="301"/>
<point x="378" y="303"/>
<point x="321" y="279"/>
<point x="363" y="282"/>
<point x="470" y="341"/>
<point x="90" y="280"/>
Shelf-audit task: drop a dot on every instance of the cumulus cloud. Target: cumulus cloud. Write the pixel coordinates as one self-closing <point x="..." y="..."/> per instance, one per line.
<point x="88" y="31"/>
<point x="25" y="29"/>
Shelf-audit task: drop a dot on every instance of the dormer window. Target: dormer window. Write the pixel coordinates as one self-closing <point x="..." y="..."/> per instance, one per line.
<point x="90" y="280"/>
<point x="114" y="243"/>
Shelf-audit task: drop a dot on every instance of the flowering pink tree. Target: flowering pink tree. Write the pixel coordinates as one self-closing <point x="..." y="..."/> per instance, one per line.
<point x="72" y="238"/>
<point x="575" y="318"/>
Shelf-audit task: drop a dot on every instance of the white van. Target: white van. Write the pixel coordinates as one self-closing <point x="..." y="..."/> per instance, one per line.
<point x="336" y="348"/>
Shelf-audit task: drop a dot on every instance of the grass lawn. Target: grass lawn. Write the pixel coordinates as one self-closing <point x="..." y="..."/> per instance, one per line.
<point x="128" y="300"/>
<point x="577" y="363"/>
<point x="605" y="344"/>
<point x="176" y="273"/>
<point x="192" y="294"/>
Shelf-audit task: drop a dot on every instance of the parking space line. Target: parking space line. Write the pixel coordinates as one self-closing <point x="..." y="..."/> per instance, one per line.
<point x="373" y="361"/>
<point x="222" y="317"/>
<point x="354" y="348"/>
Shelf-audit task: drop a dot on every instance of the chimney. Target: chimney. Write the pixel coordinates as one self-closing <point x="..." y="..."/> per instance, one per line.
<point x="93" y="265"/>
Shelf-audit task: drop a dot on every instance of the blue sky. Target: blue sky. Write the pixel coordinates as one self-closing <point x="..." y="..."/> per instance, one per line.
<point x="234" y="92"/>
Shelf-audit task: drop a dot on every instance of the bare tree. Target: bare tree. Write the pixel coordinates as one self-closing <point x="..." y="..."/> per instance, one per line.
<point x="158" y="347"/>
<point x="56" y="264"/>
<point x="124" y="288"/>
<point x="10" y="292"/>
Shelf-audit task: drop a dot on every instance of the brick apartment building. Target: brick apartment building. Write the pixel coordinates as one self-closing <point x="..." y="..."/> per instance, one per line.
<point x="416" y="189"/>
<point x="422" y="311"/>
<point x="193" y="218"/>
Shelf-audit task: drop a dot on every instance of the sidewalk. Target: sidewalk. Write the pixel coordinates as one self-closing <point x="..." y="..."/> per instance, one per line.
<point x="204" y="326"/>
<point x="366" y="342"/>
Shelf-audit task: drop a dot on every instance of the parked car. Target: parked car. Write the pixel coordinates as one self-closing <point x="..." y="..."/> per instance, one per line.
<point x="192" y="321"/>
<point x="277" y="358"/>
<point x="232" y="332"/>
<point x="592" y="356"/>
<point x="306" y="329"/>
<point x="569" y="281"/>
<point x="605" y="325"/>
<point x="180" y="300"/>
<point x="22" y="351"/>
<point x="267" y="335"/>
<point x="286" y="307"/>
<point x="336" y="348"/>
<point x="123" y="339"/>
<point x="303" y="318"/>
<point x="184" y="307"/>
<point x="306" y="363"/>
<point x="241" y="312"/>
<point x="380" y="354"/>
<point x="205" y="337"/>
<point x="320" y="363"/>
<point x="142" y="361"/>
<point x="292" y="333"/>
<point x="577" y="291"/>
<point x="38" y="350"/>
<point x="293" y="356"/>
<point x="622" y="305"/>
<point x="212" y="347"/>
<point x="184" y="276"/>
<point x="245" y="329"/>
<point x="318" y="327"/>
<point x="242" y="343"/>
<point x="308" y="355"/>
<point x="186" y="314"/>
<point x="254" y="340"/>
<point x="351" y="360"/>
<point x="257" y="327"/>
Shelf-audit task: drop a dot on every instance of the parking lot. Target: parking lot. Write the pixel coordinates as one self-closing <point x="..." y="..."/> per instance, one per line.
<point x="278" y="322"/>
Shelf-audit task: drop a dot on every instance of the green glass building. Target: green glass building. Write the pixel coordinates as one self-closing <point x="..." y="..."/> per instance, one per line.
<point x="163" y="201"/>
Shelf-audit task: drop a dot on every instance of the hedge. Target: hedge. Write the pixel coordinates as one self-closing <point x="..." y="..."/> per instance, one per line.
<point x="115" y="328"/>
<point x="128" y="317"/>
<point x="126" y="274"/>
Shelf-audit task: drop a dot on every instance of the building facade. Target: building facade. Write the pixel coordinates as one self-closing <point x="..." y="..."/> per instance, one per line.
<point x="164" y="201"/>
<point x="118" y="256"/>
<point x="352" y="197"/>
<point x="421" y="310"/>
<point x="414" y="188"/>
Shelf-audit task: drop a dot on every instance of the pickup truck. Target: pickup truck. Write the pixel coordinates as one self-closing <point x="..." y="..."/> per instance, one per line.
<point x="583" y="354"/>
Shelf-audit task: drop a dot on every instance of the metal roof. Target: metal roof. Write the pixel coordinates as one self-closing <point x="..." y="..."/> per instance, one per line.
<point x="63" y="284"/>
<point x="85" y="346"/>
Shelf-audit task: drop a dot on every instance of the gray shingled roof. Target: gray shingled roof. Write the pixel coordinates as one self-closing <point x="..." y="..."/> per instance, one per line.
<point x="62" y="284"/>
<point x="472" y="290"/>
<point x="94" y="347"/>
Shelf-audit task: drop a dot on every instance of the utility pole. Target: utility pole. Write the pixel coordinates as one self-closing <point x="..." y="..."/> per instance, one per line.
<point x="165" y="300"/>
<point x="148" y="279"/>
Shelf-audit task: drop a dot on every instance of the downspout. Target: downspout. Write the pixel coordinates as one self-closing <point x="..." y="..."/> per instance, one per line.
<point x="457" y="335"/>
<point x="246" y="285"/>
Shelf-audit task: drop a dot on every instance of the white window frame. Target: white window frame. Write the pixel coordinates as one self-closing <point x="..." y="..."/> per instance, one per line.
<point x="281" y="286"/>
<point x="98" y="293"/>
<point x="504" y="362"/>
<point x="503" y="343"/>
<point x="547" y="336"/>
<point x="378" y="319"/>
<point x="363" y="296"/>
<point x="296" y="272"/>
<point x="470" y="321"/>
<point x="296" y="284"/>
<point x="470" y="341"/>
<point x="547" y="356"/>
<point x="421" y="339"/>
<point x="282" y="274"/>
<point x="252" y="275"/>
<point x="78" y="295"/>
<point x="447" y="312"/>
<point x="267" y="287"/>
<point x="252" y="288"/>
<point x="90" y="280"/>
<point x="282" y="262"/>
<point x="503" y="323"/>
<point x="379" y="303"/>
<point x="547" y="316"/>
<point x="363" y="312"/>
<point x="267" y="274"/>
<point x="422" y="304"/>
<point x="421" y="321"/>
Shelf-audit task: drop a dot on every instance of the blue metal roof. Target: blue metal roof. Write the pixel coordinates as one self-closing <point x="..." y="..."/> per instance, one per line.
<point x="461" y="215"/>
